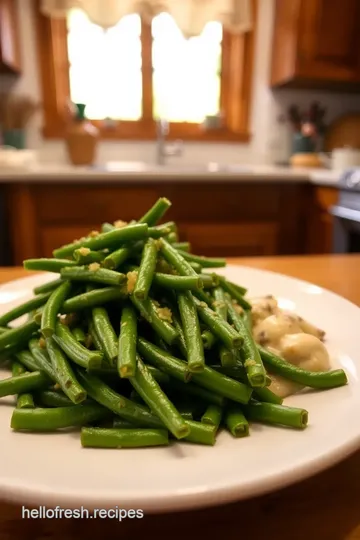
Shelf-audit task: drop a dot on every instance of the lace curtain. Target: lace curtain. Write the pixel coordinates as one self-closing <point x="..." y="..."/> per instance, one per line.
<point x="190" y="15"/>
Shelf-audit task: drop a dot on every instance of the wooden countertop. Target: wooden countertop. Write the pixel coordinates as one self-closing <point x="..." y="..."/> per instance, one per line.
<point x="326" y="506"/>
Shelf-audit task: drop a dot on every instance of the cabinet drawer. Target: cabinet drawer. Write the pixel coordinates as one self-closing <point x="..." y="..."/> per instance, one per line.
<point x="54" y="237"/>
<point x="231" y="239"/>
<point x="93" y="204"/>
<point x="326" y="197"/>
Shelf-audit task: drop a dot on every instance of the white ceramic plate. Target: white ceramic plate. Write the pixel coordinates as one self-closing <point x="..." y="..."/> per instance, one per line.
<point x="53" y="469"/>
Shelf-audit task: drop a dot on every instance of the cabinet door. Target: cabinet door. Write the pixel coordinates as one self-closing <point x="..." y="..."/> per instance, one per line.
<point x="329" y="40"/>
<point x="320" y="223"/>
<point x="9" y="36"/>
<point x="231" y="239"/>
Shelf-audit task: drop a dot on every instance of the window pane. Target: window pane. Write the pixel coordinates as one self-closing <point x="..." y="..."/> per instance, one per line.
<point x="186" y="78"/>
<point x="105" y="70"/>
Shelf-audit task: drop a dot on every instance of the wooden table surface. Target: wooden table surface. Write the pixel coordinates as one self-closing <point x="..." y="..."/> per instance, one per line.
<point x="326" y="506"/>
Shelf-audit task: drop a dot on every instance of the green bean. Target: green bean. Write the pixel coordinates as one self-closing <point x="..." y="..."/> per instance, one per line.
<point x="126" y="362"/>
<point x="277" y="414"/>
<point x="185" y="411"/>
<point x="21" y="384"/>
<point x="26" y="359"/>
<point x="64" y="372"/>
<point x="252" y="360"/>
<point x="38" y="315"/>
<point x="161" y="230"/>
<point x="227" y="357"/>
<point x="17" y="336"/>
<point x="47" y="265"/>
<point x="52" y="308"/>
<point x="180" y="283"/>
<point x="118" y="404"/>
<point x="49" y="286"/>
<point x="96" y="340"/>
<point x="3" y="329"/>
<point x="42" y="360"/>
<point x="117" y="258"/>
<point x="86" y="256"/>
<point x="156" y="212"/>
<point x="22" y="309"/>
<point x="236" y="422"/>
<point x="212" y="415"/>
<point x="159" y="376"/>
<point x="146" y="270"/>
<point x="149" y="312"/>
<point x="50" y="398"/>
<point x="98" y="275"/>
<point x="123" y="438"/>
<point x="241" y="290"/>
<point x="172" y="237"/>
<point x="151" y="393"/>
<point x="190" y="389"/>
<point x="201" y="433"/>
<point x="74" y="350"/>
<point x="51" y="419"/>
<point x="96" y="297"/>
<point x="23" y="401"/>
<point x="181" y="336"/>
<point x="235" y="294"/>
<point x="319" y="379"/>
<point x="184" y="246"/>
<point x="238" y="372"/>
<point x="119" y="423"/>
<point x="106" y="333"/>
<point x="247" y="319"/>
<point x="163" y="360"/>
<point x="79" y="335"/>
<point x="205" y="262"/>
<point x="208" y="339"/>
<point x="105" y="240"/>
<point x="175" y="259"/>
<point x="219" y="303"/>
<point x="230" y="337"/>
<point x="223" y="385"/>
<point x="264" y="394"/>
<point x="191" y="326"/>
<point x="196" y="267"/>
<point x="209" y="378"/>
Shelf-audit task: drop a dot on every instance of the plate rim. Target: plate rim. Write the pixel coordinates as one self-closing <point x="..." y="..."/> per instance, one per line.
<point x="183" y="499"/>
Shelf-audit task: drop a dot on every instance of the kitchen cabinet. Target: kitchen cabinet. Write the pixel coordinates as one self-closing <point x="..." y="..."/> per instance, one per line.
<point x="217" y="218"/>
<point x="316" y="44"/>
<point x="9" y="37"/>
<point x="321" y="222"/>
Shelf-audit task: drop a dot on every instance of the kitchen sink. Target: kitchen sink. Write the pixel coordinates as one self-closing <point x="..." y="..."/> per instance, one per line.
<point x="174" y="168"/>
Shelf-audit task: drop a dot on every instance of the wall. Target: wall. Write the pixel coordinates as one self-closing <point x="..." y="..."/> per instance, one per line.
<point x="270" y="140"/>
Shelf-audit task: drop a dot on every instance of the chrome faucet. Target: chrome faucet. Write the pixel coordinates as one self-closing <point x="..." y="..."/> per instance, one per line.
<point x="163" y="149"/>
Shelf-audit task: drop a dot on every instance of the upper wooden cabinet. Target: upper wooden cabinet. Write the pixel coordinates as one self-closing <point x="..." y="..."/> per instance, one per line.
<point x="316" y="44"/>
<point x="9" y="37"/>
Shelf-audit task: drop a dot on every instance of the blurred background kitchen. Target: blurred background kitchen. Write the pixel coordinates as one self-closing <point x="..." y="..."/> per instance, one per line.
<point x="245" y="113"/>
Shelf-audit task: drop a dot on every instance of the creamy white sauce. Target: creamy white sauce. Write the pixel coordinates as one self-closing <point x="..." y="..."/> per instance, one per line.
<point x="291" y="337"/>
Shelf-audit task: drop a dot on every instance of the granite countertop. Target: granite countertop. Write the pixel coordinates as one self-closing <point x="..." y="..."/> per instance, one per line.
<point x="137" y="171"/>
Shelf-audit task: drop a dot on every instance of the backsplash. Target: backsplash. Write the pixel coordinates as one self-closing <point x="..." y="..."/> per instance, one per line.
<point x="270" y="140"/>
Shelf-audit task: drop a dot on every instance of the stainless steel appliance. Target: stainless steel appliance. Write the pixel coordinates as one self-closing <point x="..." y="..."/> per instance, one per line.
<point x="346" y="214"/>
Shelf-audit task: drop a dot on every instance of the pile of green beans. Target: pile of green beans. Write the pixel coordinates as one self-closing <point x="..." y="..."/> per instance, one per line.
<point x="135" y="345"/>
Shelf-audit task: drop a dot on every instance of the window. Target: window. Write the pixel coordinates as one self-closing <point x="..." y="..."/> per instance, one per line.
<point x="135" y="72"/>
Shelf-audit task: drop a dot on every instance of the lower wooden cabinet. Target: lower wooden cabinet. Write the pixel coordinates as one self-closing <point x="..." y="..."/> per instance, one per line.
<point x="219" y="219"/>
<point x="320" y="224"/>
<point x="232" y="239"/>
